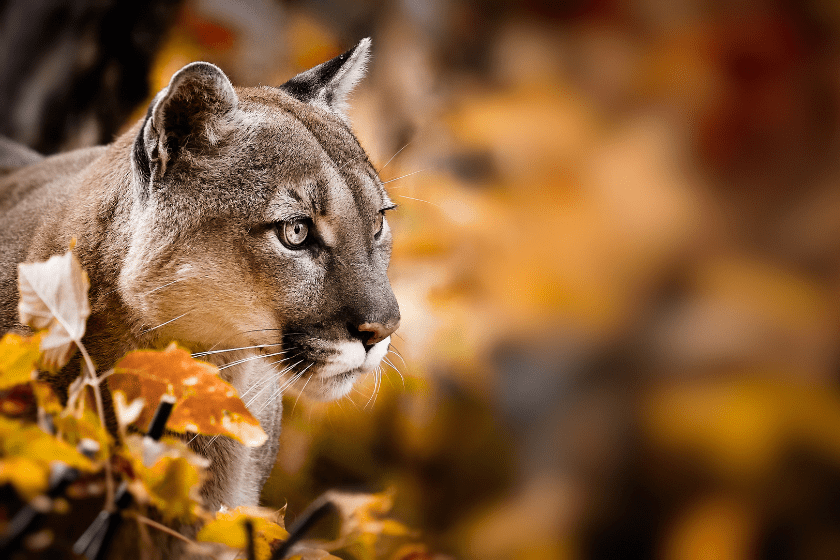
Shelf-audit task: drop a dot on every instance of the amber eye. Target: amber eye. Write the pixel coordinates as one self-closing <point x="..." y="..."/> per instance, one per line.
<point x="377" y="225"/>
<point x="293" y="233"/>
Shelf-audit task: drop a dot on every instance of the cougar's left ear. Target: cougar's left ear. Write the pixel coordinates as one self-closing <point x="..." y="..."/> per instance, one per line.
<point x="184" y="115"/>
<point x="328" y="85"/>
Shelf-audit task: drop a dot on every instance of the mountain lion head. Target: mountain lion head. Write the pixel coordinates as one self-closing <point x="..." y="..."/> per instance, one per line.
<point x="258" y="222"/>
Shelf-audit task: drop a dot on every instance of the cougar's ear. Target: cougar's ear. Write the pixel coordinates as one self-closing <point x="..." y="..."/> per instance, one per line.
<point x="328" y="85"/>
<point x="183" y="115"/>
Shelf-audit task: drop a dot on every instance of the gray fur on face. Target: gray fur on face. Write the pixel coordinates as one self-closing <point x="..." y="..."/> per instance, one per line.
<point x="179" y="225"/>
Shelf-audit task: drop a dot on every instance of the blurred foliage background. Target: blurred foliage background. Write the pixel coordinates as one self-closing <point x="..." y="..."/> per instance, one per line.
<point x="617" y="255"/>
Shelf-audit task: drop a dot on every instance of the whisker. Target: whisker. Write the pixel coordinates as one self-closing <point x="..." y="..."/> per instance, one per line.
<point x="247" y="332"/>
<point x="395" y="155"/>
<point x="269" y="377"/>
<point x="165" y="285"/>
<point x="420" y="200"/>
<point x="249" y="358"/>
<point x="280" y="390"/>
<point x="406" y="175"/>
<point x="393" y="350"/>
<point x="209" y="352"/>
<point x="165" y="323"/>
<point x="395" y="368"/>
<point x="304" y="386"/>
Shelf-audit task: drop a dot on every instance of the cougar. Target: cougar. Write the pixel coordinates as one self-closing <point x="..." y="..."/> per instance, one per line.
<point x="245" y="223"/>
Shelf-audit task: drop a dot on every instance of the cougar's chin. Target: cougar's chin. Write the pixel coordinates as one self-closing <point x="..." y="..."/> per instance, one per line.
<point x="332" y="378"/>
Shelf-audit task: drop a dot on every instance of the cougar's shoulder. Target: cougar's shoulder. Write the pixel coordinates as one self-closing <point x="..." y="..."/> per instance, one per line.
<point x="31" y="197"/>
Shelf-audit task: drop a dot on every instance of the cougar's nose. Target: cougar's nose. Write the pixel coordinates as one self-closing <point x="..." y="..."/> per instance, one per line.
<point x="379" y="332"/>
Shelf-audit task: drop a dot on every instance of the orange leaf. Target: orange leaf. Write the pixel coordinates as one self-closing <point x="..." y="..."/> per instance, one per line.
<point x="205" y="403"/>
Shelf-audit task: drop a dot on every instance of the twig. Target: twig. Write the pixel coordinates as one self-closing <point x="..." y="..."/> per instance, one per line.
<point x="159" y="526"/>
<point x="100" y="409"/>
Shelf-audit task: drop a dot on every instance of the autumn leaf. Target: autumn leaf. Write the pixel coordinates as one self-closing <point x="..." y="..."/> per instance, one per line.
<point x="54" y="296"/>
<point x="85" y="424"/>
<point x="229" y="529"/>
<point x="172" y="483"/>
<point x="46" y="398"/>
<point x="27" y="452"/>
<point x="363" y="522"/>
<point x="28" y="476"/>
<point x="205" y="403"/>
<point x="18" y="357"/>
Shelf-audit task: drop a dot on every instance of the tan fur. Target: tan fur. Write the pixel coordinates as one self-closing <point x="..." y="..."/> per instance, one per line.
<point x="183" y="247"/>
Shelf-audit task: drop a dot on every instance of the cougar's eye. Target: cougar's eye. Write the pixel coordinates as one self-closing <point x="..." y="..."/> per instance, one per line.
<point x="377" y="224"/>
<point x="293" y="234"/>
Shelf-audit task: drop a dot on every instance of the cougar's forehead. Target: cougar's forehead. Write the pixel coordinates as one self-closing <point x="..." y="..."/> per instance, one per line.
<point x="319" y="167"/>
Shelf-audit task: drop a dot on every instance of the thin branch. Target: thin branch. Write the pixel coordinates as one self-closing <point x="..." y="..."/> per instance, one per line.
<point x="160" y="527"/>
<point x="100" y="409"/>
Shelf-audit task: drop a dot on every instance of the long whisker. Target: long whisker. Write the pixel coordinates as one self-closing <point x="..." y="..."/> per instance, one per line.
<point x="210" y="352"/>
<point x="395" y="155"/>
<point x="165" y="285"/>
<point x="282" y="388"/>
<point x="420" y="200"/>
<point x="250" y="331"/>
<point x="393" y="350"/>
<point x="165" y="323"/>
<point x="406" y="175"/>
<point x="249" y="358"/>
<point x="302" y="389"/>
<point x="279" y="390"/>
<point x="395" y="368"/>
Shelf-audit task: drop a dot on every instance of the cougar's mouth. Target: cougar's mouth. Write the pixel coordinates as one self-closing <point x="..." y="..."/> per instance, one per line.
<point x="334" y="367"/>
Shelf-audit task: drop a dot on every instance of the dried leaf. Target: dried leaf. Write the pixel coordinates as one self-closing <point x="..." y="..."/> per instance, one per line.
<point x="54" y="296"/>
<point x="229" y="529"/>
<point x="127" y="413"/>
<point x="18" y="357"/>
<point x="362" y="519"/>
<point x="205" y="403"/>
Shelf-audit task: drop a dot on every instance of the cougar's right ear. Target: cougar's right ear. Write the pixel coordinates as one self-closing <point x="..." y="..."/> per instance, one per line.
<point x="182" y="116"/>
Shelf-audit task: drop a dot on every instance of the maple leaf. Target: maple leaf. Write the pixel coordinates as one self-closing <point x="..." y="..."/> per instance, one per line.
<point x="205" y="403"/>
<point x="54" y="296"/>
<point x="228" y="528"/>
<point x="18" y="357"/>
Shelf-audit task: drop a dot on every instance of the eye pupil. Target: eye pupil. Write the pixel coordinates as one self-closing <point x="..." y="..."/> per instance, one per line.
<point x="293" y="234"/>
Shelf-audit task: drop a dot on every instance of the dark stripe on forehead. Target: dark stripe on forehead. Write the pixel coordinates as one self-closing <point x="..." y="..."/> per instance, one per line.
<point x="335" y="137"/>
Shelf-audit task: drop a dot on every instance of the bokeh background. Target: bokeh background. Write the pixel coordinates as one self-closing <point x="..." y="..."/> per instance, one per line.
<point x="617" y="255"/>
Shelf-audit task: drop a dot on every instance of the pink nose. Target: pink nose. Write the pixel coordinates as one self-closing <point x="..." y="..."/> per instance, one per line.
<point x="379" y="332"/>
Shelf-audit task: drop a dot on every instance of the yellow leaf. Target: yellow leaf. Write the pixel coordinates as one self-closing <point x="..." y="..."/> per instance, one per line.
<point x="32" y="450"/>
<point x="18" y="356"/>
<point x="205" y="403"/>
<point x="86" y="424"/>
<point x="29" y="477"/>
<point x="229" y="529"/>
<point x="171" y="484"/>
<point x="46" y="398"/>
<point x="54" y="296"/>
